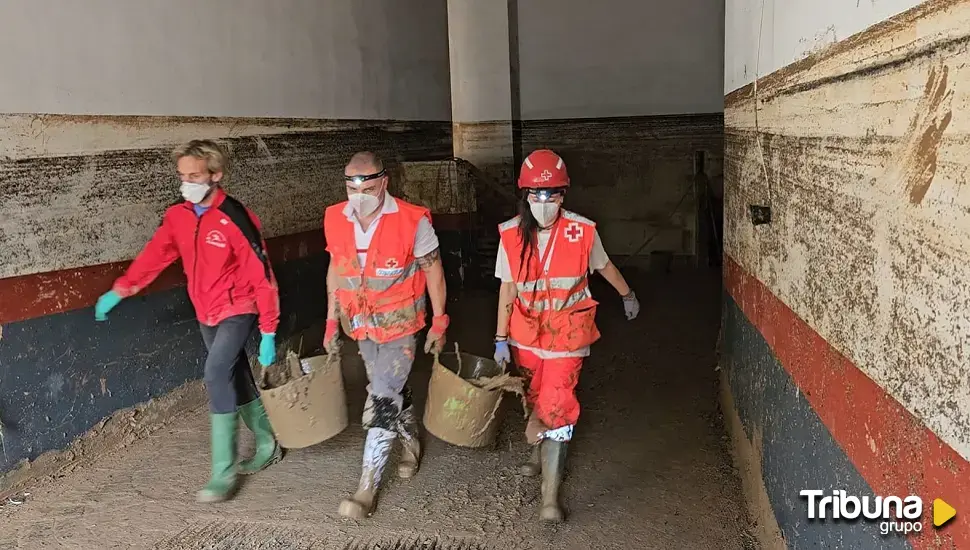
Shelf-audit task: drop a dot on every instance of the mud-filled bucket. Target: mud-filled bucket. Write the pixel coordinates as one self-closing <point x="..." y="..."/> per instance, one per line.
<point x="464" y="396"/>
<point x="305" y="401"/>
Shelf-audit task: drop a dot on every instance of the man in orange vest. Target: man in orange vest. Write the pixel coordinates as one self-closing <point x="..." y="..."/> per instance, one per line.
<point x="383" y="255"/>
<point x="546" y="312"/>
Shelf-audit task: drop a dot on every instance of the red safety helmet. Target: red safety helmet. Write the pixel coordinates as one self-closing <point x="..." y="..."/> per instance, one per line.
<point x="543" y="169"/>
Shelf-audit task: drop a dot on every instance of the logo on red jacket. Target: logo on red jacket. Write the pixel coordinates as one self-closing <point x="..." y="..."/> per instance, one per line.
<point x="216" y="238"/>
<point x="574" y="232"/>
<point x="391" y="269"/>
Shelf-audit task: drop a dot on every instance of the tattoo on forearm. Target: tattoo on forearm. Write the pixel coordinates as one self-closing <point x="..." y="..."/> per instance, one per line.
<point x="429" y="259"/>
<point x="508" y="309"/>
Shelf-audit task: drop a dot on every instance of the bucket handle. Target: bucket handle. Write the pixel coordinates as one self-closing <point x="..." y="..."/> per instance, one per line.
<point x="457" y="357"/>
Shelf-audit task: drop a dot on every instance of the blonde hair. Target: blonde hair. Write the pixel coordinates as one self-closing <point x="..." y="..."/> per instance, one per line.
<point x="215" y="156"/>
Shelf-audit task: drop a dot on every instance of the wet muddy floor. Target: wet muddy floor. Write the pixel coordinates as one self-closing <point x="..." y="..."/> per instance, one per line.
<point x="649" y="466"/>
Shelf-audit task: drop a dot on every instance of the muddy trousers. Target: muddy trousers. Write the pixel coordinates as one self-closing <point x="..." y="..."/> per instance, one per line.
<point x="388" y="366"/>
<point x="228" y="378"/>
<point x="551" y="394"/>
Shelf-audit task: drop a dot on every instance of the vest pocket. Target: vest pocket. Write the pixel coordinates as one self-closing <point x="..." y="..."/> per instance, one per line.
<point x="554" y="331"/>
<point x="396" y="312"/>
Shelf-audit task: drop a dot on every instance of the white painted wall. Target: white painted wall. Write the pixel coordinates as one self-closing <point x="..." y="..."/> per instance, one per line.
<point x="580" y="59"/>
<point x="374" y="59"/>
<point x="790" y="30"/>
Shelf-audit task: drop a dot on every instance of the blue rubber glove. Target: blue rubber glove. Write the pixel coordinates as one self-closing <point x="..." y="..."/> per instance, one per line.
<point x="502" y="353"/>
<point x="267" y="350"/>
<point x="106" y="303"/>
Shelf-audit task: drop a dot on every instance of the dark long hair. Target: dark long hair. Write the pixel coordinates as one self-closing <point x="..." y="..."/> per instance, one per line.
<point x="528" y="230"/>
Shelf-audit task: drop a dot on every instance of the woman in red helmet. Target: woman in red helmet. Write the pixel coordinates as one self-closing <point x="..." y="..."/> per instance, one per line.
<point x="546" y="311"/>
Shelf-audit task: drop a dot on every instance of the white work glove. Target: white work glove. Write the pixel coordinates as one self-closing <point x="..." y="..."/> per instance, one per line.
<point x="631" y="306"/>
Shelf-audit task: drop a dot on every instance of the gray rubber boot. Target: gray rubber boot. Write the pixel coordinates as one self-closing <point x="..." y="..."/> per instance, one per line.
<point x="531" y="467"/>
<point x="377" y="449"/>
<point x="407" y="428"/>
<point x="553" y="461"/>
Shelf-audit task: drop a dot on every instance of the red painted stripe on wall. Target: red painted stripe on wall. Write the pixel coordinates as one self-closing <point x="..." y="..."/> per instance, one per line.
<point x="892" y="449"/>
<point x="35" y="295"/>
<point x="40" y="294"/>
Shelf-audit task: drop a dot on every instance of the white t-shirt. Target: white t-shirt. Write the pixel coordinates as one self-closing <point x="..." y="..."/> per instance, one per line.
<point x="425" y="240"/>
<point x="598" y="259"/>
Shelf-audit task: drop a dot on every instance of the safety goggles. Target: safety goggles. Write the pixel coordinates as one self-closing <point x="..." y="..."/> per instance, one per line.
<point x="358" y="180"/>
<point x="546" y="195"/>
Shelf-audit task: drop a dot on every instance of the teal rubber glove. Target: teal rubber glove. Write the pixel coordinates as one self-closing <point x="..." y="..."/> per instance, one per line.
<point x="267" y="350"/>
<point x="106" y="303"/>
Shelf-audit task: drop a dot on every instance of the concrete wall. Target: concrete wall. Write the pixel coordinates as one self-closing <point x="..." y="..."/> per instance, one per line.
<point x="374" y="59"/>
<point x="620" y="58"/>
<point x="480" y="35"/>
<point x="627" y="92"/>
<point x="846" y="317"/>
<point x="293" y="88"/>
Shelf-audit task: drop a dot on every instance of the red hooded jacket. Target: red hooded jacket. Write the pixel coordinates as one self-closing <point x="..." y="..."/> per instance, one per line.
<point x="224" y="258"/>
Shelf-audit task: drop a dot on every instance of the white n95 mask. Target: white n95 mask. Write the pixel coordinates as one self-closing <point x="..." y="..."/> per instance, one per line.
<point x="544" y="212"/>
<point x="194" y="192"/>
<point x="364" y="204"/>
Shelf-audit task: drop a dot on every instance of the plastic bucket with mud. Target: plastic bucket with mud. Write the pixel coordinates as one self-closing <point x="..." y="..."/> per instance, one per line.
<point x="305" y="401"/>
<point x="464" y="396"/>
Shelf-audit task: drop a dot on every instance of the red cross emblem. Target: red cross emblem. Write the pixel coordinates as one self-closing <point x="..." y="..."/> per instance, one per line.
<point x="391" y="263"/>
<point x="545" y="175"/>
<point x="574" y="232"/>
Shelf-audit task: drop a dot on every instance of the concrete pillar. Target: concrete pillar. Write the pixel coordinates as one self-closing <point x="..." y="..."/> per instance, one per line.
<point x="484" y="87"/>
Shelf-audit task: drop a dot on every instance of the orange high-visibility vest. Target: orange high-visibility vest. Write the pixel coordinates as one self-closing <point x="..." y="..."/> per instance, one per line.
<point x="554" y="309"/>
<point x="384" y="300"/>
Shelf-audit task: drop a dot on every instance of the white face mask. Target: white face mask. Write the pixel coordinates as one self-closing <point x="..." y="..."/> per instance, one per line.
<point x="363" y="204"/>
<point x="545" y="212"/>
<point x="194" y="192"/>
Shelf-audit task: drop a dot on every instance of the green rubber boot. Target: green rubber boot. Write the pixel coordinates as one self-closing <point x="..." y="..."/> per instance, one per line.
<point x="268" y="450"/>
<point x="222" y="480"/>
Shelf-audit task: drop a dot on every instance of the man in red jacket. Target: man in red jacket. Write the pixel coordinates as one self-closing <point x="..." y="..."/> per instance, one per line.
<point x="230" y="283"/>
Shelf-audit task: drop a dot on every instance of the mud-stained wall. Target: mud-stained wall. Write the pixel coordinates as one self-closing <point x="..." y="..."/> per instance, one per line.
<point x="634" y="175"/>
<point x="860" y="148"/>
<point x="81" y="191"/>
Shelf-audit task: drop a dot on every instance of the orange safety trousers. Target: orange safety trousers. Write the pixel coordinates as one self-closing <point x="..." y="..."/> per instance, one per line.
<point x="551" y="391"/>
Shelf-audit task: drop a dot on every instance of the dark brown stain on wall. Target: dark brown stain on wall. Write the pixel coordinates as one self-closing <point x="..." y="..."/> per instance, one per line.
<point x="925" y="133"/>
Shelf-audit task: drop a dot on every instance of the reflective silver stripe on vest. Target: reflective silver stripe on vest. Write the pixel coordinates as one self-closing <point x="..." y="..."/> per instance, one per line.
<point x="381" y="320"/>
<point x="555" y="283"/>
<point x="378" y="283"/>
<point x="559" y="304"/>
